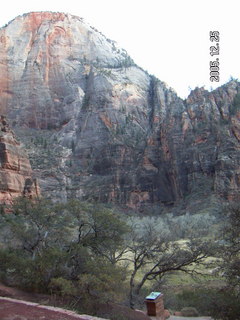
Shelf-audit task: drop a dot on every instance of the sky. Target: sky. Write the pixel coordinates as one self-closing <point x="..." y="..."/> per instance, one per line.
<point x="168" y="38"/>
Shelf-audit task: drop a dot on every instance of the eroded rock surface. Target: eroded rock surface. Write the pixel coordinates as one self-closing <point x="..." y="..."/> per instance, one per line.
<point x="15" y="169"/>
<point x="110" y="131"/>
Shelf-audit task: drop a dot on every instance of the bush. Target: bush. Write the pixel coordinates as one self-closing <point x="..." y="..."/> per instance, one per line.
<point x="225" y="305"/>
<point x="220" y="304"/>
<point x="64" y="249"/>
<point x="62" y="287"/>
<point x="189" y="312"/>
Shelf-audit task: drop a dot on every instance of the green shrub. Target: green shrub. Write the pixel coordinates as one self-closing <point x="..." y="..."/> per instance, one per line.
<point x="220" y="304"/>
<point x="225" y="305"/>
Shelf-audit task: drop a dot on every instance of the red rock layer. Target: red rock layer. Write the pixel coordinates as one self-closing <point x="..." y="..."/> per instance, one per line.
<point x="15" y="169"/>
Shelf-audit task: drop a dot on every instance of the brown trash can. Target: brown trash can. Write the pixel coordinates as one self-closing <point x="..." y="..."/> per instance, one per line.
<point x="154" y="303"/>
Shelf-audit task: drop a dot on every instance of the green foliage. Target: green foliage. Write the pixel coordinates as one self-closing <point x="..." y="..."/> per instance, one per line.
<point x="62" y="287"/>
<point x="127" y="62"/>
<point x="65" y="249"/>
<point x="219" y="303"/>
<point x="35" y="226"/>
<point x="106" y="72"/>
<point x="235" y="107"/>
<point x="231" y="254"/>
<point x="104" y="282"/>
<point x="98" y="228"/>
<point x="181" y="226"/>
<point x="86" y="252"/>
<point x="155" y="254"/>
<point x="225" y="305"/>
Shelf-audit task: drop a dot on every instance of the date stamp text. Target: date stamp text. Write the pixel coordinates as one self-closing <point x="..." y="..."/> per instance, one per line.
<point x="214" y="51"/>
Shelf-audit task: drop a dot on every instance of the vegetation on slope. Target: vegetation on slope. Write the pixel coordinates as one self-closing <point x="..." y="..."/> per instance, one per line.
<point x="88" y="253"/>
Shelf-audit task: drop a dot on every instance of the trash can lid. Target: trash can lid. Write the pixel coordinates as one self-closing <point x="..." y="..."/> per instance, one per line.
<point x="153" y="295"/>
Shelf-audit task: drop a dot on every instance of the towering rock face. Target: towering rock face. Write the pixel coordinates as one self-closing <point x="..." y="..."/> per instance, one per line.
<point x="99" y="127"/>
<point x="15" y="170"/>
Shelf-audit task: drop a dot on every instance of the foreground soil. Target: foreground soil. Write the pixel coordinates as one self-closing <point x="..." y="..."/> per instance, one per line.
<point x="19" y="305"/>
<point x="11" y="309"/>
<point x="189" y="318"/>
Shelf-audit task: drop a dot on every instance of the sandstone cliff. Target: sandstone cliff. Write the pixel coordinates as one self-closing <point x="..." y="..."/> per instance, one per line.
<point x="15" y="171"/>
<point x="99" y="127"/>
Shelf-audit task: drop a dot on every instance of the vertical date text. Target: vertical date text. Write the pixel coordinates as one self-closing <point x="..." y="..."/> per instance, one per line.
<point x="214" y="51"/>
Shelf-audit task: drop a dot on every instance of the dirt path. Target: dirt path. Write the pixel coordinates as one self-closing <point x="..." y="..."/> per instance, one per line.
<point x="12" y="309"/>
<point x="30" y="306"/>
<point x="189" y="318"/>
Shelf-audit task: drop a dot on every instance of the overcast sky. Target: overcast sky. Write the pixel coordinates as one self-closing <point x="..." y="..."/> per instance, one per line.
<point x="168" y="38"/>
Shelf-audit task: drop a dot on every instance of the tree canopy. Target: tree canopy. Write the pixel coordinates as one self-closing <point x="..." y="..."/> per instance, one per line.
<point x="89" y="251"/>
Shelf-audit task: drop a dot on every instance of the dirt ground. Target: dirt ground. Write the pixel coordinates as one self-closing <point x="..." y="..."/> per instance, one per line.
<point x="20" y="305"/>
<point x="12" y="309"/>
<point x="189" y="318"/>
<point x="18" y="310"/>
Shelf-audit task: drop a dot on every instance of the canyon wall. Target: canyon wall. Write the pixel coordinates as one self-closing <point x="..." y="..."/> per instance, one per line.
<point x="98" y="127"/>
<point x="16" y="178"/>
